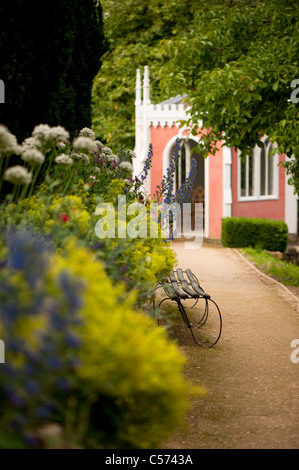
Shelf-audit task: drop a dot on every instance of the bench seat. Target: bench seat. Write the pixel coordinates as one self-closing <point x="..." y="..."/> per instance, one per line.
<point x="182" y="285"/>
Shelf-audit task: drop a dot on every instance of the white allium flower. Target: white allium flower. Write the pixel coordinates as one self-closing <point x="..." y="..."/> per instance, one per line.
<point x="76" y="156"/>
<point x="50" y="135"/>
<point x="97" y="170"/>
<point x="42" y="130"/>
<point x="32" y="155"/>
<point x="85" y="144"/>
<point x="59" y="134"/>
<point x="31" y="151"/>
<point x="18" y="175"/>
<point x="85" y="158"/>
<point x="8" y="142"/>
<point x="86" y="132"/>
<point x="126" y="166"/>
<point x="64" y="159"/>
<point x="112" y="158"/>
<point x="80" y="156"/>
<point x="30" y="143"/>
<point x="61" y="145"/>
<point x="99" y="144"/>
<point x="131" y="154"/>
<point x="107" y="151"/>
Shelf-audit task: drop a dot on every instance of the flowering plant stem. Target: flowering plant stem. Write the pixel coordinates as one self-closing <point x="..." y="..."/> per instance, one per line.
<point x="71" y="172"/>
<point x="35" y="170"/>
<point x="4" y="168"/>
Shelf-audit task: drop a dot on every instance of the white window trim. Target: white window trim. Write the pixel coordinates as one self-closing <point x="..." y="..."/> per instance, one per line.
<point x="256" y="196"/>
<point x="227" y="181"/>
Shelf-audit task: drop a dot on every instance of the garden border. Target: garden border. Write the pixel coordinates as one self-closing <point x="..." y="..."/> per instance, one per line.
<point x="266" y="276"/>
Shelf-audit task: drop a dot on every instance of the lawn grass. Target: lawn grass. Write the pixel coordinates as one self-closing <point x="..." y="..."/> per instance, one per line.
<point x="286" y="273"/>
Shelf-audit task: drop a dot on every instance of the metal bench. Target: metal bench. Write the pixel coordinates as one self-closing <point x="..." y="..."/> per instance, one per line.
<point x="204" y="320"/>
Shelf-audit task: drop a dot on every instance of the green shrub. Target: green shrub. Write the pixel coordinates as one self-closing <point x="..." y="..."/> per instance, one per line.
<point x="271" y="235"/>
<point x="79" y="355"/>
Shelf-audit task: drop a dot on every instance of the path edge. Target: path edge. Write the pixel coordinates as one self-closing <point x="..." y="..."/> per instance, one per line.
<point x="274" y="281"/>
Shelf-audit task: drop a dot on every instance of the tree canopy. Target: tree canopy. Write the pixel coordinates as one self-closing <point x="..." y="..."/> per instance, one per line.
<point x="134" y="29"/>
<point x="237" y="66"/>
<point x="236" y="60"/>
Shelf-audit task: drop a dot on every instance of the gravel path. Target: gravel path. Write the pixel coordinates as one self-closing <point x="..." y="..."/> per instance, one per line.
<point x="252" y="384"/>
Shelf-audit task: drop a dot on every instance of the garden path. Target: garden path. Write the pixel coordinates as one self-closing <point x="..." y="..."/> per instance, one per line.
<point x="253" y="386"/>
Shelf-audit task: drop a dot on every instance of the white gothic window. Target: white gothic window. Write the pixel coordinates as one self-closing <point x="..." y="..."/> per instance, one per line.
<point x="258" y="174"/>
<point x="247" y="177"/>
<point x="267" y="168"/>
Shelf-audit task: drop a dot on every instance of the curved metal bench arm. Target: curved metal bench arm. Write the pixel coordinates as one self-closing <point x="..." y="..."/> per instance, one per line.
<point x="183" y="285"/>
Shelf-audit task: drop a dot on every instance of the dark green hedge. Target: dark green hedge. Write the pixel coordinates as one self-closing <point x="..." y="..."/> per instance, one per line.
<point x="271" y="235"/>
<point x="50" y="52"/>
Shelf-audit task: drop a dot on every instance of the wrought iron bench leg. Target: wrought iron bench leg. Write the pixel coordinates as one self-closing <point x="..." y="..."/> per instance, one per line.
<point x="183" y="313"/>
<point x="200" y="323"/>
<point x="205" y="333"/>
<point x="195" y="327"/>
<point x="166" y="298"/>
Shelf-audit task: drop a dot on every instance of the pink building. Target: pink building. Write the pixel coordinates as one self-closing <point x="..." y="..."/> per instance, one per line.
<point x="227" y="186"/>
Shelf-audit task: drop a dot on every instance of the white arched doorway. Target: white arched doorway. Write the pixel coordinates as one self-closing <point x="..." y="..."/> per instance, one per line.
<point x="200" y="189"/>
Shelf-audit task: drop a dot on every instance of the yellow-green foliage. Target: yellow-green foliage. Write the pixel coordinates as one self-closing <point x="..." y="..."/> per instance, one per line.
<point x="62" y="307"/>
<point x="126" y="357"/>
<point x="116" y="188"/>
<point x="59" y="217"/>
<point x="51" y="213"/>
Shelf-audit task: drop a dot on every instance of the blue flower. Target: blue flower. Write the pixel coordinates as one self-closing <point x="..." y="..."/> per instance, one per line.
<point x="9" y="312"/>
<point x="27" y="252"/>
<point x="18" y="422"/>
<point x="32" y="387"/>
<point x="71" y="290"/>
<point x="63" y="384"/>
<point x="54" y="362"/>
<point x="184" y="192"/>
<point x="30" y="440"/>
<point x="16" y="400"/>
<point x="147" y="163"/>
<point x="73" y="341"/>
<point x="44" y="411"/>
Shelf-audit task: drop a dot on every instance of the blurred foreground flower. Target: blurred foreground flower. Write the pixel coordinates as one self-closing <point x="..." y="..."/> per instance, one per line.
<point x="17" y="175"/>
<point x="64" y="159"/>
<point x="85" y="144"/>
<point x="49" y="137"/>
<point x="33" y="156"/>
<point x="78" y="355"/>
<point x="39" y="320"/>
<point x="126" y="166"/>
<point x="8" y="142"/>
<point x="87" y="132"/>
